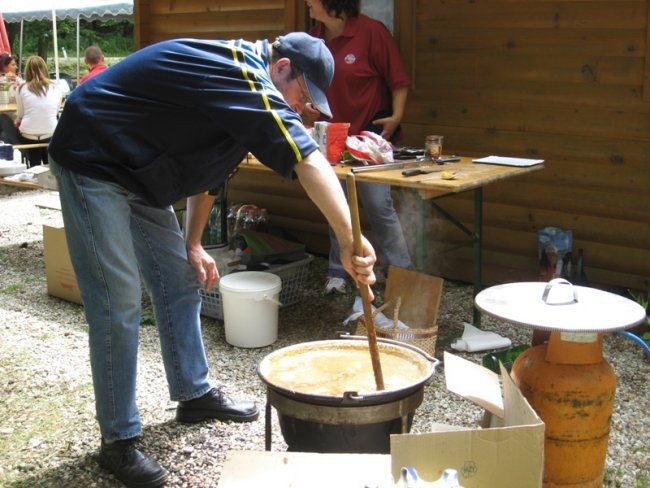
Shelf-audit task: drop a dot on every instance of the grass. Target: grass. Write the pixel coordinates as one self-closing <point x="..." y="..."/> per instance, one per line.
<point x="614" y="475"/>
<point x="24" y="427"/>
<point x="611" y="475"/>
<point x="13" y="289"/>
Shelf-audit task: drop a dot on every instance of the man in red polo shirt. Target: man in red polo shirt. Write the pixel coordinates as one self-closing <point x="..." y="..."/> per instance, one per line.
<point x="95" y="60"/>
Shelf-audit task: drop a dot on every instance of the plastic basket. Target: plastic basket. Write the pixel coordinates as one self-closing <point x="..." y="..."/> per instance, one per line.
<point x="292" y="275"/>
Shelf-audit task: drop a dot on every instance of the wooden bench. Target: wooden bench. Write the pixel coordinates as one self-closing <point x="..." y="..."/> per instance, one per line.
<point x="24" y="147"/>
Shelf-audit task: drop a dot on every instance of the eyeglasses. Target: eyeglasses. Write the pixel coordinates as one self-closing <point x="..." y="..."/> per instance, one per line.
<point x="305" y="99"/>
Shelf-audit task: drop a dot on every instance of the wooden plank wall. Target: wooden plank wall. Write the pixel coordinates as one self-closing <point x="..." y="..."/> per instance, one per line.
<point x="562" y="80"/>
<point x="156" y="20"/>
<point x="566" y="81"/>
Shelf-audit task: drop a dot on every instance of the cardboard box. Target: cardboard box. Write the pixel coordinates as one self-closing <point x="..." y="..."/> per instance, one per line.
<point x="507" y="452"/>
<point x="44" y="178"/>
<point x="251" y="469"/>
<point x="61" y="280"/>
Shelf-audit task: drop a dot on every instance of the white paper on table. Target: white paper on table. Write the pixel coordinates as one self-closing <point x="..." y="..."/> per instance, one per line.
<point x="507" y="161"/>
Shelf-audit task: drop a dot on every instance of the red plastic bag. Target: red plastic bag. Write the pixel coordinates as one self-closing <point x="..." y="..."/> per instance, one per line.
<point x="370" y="147"/>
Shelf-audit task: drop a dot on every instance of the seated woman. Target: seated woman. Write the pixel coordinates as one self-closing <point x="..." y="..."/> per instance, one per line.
<point x="9" y="73"/>
<point x="37" y="105"/>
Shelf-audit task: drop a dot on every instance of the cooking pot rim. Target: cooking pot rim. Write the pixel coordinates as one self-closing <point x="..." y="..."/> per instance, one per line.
<point x="352" y="398"/>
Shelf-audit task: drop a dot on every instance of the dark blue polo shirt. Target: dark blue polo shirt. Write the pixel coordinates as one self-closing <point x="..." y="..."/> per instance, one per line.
<point x="175" y="118"/>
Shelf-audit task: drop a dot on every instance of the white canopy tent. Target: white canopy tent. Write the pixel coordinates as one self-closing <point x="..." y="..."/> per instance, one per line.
<point x="14" y="11"/>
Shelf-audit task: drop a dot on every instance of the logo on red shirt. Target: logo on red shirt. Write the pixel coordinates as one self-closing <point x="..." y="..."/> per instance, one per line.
<point x="350" y="58"/>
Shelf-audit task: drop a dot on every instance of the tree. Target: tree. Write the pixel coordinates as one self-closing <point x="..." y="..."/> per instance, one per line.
<point x="114" y="36"/>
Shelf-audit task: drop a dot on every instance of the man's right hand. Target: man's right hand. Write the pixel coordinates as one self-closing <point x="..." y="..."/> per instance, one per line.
<point x="204" y="265"/>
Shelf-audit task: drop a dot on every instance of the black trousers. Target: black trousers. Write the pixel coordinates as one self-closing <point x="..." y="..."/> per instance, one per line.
<point x="9" y="133"/>
<point x="38" y="155"/>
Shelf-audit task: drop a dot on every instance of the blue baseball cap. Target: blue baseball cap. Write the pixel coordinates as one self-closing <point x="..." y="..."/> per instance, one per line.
<point x="311" y="56"/>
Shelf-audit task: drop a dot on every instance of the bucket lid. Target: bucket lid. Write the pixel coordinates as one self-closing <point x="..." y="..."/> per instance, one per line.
<point x="250" y="282"/>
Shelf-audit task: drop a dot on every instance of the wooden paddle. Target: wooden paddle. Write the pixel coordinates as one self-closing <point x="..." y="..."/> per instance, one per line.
<point x="364" y="289"/>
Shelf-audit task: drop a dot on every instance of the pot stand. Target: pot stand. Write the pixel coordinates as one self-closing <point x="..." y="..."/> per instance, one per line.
<point x="309" y="427"/>
<point x="332" y="406"/>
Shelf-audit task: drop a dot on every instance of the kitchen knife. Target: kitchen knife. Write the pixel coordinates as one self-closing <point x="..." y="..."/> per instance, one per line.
<point x="418" y="171"/>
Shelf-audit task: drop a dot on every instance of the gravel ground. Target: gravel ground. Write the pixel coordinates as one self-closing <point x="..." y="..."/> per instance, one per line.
<point x="48" y="435"/>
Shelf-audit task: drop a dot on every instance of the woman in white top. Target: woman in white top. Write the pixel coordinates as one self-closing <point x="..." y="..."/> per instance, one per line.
<point x="38" y="102"/>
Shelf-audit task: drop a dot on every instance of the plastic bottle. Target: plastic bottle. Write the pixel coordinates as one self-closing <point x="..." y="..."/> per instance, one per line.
<point x="262" y="221"/>
<point x="239" y="219"/>
<point x="232" y="219"/>
<point x="250" y="219"/>
<point x="212" y="234"/>
<point x="4" y="91"/>
<point x="449" y="479"/>
<point x="409" y="478"/>
<point x="507" y="357"/>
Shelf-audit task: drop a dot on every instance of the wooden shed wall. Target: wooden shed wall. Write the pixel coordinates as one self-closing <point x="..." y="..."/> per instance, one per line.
<point x="566" y="80"/>
<point x="156" y="20"/>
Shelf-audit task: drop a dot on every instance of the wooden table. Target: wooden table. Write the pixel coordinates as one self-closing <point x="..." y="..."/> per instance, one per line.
<point x="31" y="185"/>
<point x="24" y="184"/>
<point x="8" y="108"/>
<point x="470" y="176"/>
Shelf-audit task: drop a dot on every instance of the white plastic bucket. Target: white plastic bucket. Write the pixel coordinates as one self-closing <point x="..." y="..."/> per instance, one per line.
<point x="250" y="307"/>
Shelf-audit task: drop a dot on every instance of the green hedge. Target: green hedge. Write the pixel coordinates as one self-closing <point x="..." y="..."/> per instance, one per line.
<point x="115" y="38"/>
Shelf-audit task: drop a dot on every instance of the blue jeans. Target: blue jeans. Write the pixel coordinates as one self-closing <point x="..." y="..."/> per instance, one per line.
<point x="385" y="225"/>
<point x="114" y="236"/>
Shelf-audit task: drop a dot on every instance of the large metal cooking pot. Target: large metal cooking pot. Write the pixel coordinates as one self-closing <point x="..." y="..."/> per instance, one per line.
<point x="326" y="399"/>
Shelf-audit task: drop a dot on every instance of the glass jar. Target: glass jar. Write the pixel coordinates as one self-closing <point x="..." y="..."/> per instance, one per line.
<point x="433" y="147"/>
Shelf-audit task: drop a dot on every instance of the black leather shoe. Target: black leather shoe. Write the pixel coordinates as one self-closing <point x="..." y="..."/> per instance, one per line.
<point x="216" y="405"/>
<point x="130" y="465"/>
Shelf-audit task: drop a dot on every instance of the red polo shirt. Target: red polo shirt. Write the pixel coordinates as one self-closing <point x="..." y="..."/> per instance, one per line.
<point x="94" y="70"/>
<point x="368" y="66"/>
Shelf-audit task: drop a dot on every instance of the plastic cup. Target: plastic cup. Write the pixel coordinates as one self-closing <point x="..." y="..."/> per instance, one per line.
<point x="337" y="136"/>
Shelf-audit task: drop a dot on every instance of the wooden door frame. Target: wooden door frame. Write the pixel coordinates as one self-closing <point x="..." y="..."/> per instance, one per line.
<point x="646" y="72"/>
<point x="296" y="16"/>
<point x="404" y="33"/>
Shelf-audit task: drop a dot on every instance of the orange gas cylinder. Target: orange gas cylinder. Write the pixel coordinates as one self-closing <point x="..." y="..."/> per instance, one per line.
<point x="567" y="381"/>
<point x="575" y="401"/>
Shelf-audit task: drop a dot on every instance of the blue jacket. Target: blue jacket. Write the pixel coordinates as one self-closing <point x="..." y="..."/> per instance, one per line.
<point x="175" y="118"/>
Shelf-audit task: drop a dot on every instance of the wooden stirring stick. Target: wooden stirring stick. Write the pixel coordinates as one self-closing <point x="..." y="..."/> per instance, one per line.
<point x="364" y="289"/>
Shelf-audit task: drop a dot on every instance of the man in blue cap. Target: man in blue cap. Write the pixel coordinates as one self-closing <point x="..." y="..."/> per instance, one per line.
<point x="173" y="120"/>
